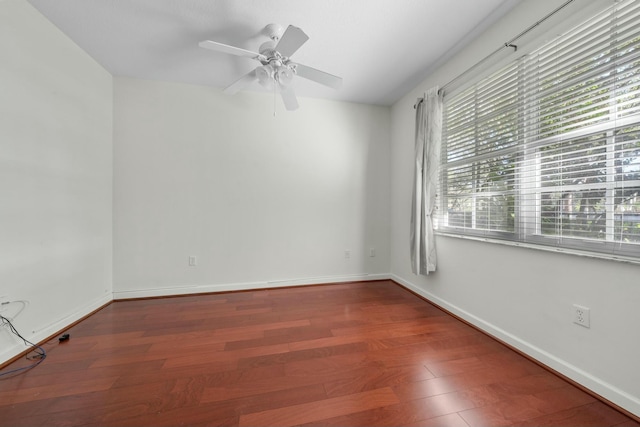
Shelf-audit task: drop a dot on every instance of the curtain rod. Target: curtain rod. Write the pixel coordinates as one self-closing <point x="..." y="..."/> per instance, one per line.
<point x="509" y="44"/>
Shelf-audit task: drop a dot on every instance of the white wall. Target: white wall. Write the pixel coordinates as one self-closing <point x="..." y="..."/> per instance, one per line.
<point x="55" y="178"/>
<point x="259" y="200"/>
<point x="523" y="296"/>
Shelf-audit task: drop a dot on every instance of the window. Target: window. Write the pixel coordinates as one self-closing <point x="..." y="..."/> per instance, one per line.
<point x="547" y="150"/>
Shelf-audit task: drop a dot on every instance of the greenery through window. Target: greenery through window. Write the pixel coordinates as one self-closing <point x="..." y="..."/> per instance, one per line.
<point x="547" y="150"/>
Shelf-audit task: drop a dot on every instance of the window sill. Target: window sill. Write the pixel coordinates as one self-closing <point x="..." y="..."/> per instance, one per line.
<point x="576" y="252"/>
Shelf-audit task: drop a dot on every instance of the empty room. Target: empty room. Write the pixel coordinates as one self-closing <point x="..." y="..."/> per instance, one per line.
<point x="320" y="212"/>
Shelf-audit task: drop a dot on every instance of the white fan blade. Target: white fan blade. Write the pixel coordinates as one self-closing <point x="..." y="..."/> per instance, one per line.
<point x="291" y="41"/>
<point x="241" y="83"/>
<point x="225" y="48"/>
<point x="289" y="98"/>
<point x="319" y="76"/>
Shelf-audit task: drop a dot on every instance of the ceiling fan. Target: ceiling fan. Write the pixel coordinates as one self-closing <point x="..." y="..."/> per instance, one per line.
<point x="276" y="69"/>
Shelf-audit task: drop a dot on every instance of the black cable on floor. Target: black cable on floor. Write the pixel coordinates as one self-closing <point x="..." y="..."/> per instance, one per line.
<point x="39" y="355"/>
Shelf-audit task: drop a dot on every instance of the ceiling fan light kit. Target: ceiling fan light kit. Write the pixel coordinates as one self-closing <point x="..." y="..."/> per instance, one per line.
<point x="276" y="69"/>
<point x="264" y="74"/>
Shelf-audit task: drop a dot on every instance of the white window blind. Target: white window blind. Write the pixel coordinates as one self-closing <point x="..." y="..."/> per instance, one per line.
<point x="547" y="150"/>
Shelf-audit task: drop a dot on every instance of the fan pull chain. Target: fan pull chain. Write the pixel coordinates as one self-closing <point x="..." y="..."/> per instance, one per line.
<point x="275" y="85"/>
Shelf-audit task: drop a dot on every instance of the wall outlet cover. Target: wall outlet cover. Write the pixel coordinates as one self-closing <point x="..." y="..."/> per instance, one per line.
<point x="582" y="315"/>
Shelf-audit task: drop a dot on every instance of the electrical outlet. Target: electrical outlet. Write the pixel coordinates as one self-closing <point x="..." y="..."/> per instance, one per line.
<point x="582" y="315"/>
<point x="193" y="261"/>
<point x="372" y="252"/>
<point x="347" y="254"/>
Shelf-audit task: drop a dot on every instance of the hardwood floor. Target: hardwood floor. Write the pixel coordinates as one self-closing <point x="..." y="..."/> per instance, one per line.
<point x="347" y="354"/>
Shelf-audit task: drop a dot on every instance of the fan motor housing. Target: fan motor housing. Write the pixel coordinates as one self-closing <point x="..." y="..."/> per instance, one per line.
<point x="268" y="48"/>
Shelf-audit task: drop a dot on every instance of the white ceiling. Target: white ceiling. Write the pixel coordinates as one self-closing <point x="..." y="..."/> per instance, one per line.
<point x="381" y="48"/>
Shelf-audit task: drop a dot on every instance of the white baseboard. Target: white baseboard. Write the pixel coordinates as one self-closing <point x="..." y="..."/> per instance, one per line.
<point x="242" y="286"/>
<point x="608" y="391"/>
<point x="46" y="331"/>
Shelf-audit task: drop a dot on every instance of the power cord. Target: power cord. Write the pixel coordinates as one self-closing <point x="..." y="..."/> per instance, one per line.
<point x="39" y="355"/>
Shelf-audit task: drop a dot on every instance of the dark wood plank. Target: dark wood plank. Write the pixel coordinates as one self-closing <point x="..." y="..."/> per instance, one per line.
<point x="319" y="410"/>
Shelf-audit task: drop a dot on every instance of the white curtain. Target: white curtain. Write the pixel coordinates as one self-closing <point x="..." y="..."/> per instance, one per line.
<point x="427" y="159"/>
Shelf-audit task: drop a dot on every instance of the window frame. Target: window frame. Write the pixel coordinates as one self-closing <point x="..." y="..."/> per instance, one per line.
<point x="527" y="227"/>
